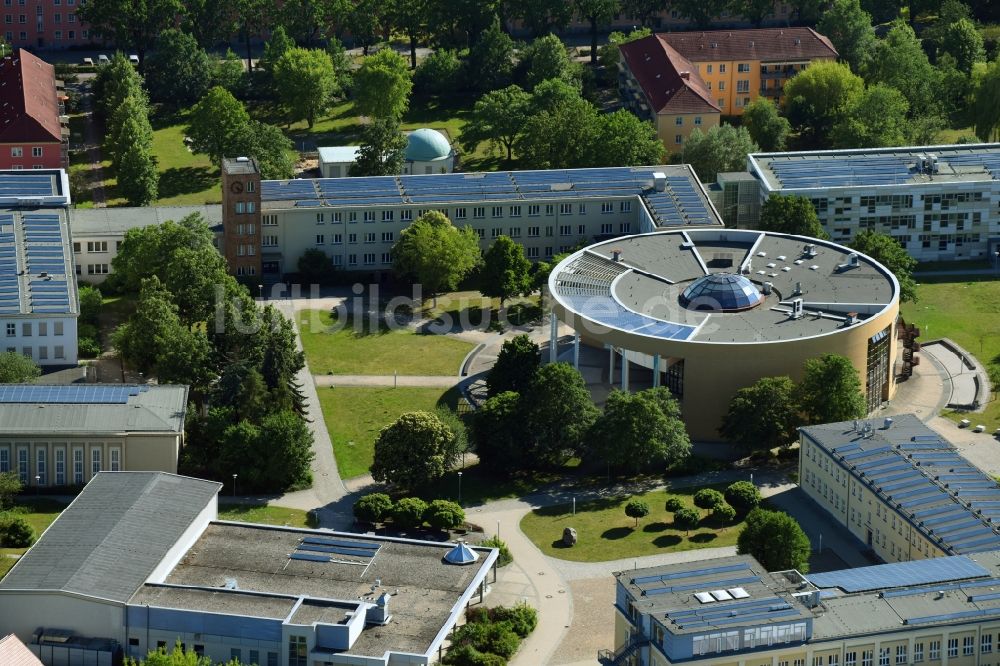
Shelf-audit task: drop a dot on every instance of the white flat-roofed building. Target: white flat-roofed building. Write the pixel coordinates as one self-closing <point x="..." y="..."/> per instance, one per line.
<point x="939" y="202"/>
<point x="139" y="561"/>
<point x="38" y="296"/>
<point x="336" y="161"/>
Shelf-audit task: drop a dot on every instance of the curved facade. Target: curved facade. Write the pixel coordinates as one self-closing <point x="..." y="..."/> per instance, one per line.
<point x="710" y="311"/>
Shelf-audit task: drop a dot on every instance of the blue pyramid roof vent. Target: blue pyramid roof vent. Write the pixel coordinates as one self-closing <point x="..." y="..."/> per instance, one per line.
<point x="461" y="554"/>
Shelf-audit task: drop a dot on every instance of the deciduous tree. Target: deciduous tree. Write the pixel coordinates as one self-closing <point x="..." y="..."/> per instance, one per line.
<point x="599" y="13"/>
<point x="830" y="390"/>
<point x="850" y="29"/>
<point x="900" y="62"/>
<point x="754" y="11"/>
<point x="516" y="366"/>
<point x="876" y="119"/>
<point x="816" y="98"/>
<point x="887" y="251"/>
<point x="963" y="40"/>
<point x="505" y="270"/>
<point x="209" y="21"/>
<point x="768" y="129"/>
<point x="722" y="148"/>
<point x="546" y="58"/>
<point x="382" y="86"/>
<point x="305" y="82"/>
<point x="558" y="413"/>
<point x="414" y="450"/>
<point x="708" y="499"/>
<point x="138" y="179"/>
<point x="130" y="24"/>
<point x="561" y="138"/>
<point x="637" y="509"/>
<point x="497" y="434"/>
<point x="791" y="214"/>
<point x="17" y="368"/>
<point x="435" y="253"/>
<point x="218" y="125"/>
<point x="444" y="515"/>
<point x="686" y="519"/>
<point x="640" y="430"/>
<point x="700" y="12"/>
<point x="763" y="415"/>
<point x="409" y="512"/>
<point x="625" y="140"/>
<point x="491" y="60"/>
<point x="540" y="16"/>
<point x="985" y="108"/>
<point x="373" y="507"/>
<point x="775" y="539"/>
<point x="382" y="151"/>
<point x="440" y="73"/>
<point x="498" y="117"/>
<point x="179" y="71"/>
<point x="743" y="496"/>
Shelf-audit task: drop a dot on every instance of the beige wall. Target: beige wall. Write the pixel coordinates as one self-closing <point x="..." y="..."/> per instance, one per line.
<point x="668" y="130"/>
<point x="892" y="537"/>
<point x="147" y="452"/>
<point x="713" y="372"/>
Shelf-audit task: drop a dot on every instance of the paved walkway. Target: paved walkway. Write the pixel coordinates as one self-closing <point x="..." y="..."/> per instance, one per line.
<point x="92" y="141"/>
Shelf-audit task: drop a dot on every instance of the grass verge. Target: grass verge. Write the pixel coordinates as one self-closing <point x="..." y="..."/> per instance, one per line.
<point x="266" y="514"/>
<point x="604" y="532"/>
<point x="354" y="417"/>
<point x="348" y="350"/>
<point x="39" y="512"/>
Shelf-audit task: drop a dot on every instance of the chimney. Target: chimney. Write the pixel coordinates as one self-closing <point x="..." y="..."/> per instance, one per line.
<point x="379" y="613"/>
<point x="686" y="76"/>
<point x="616" y="256"/>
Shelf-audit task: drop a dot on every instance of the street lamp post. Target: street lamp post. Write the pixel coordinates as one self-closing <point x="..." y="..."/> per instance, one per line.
<point x="38" y="482"/>
<point x="260" y="288"/>
<point x="234" y="486"/>
<point x="460" y="489"/>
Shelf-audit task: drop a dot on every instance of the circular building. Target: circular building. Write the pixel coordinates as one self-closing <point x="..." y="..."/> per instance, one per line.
<point x="428" y="151"/>
<point x="706" y="312"/>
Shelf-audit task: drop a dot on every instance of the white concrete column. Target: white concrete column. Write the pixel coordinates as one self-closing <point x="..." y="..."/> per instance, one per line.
<point x="611" y="365"/>
<point x="553" y="336"/>
<point x="624" y="370"/>
<point x="656" y="371"/>
<point x="576" y="350"/>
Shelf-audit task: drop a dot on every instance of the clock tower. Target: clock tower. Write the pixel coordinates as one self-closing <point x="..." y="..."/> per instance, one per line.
<point x="241" y="217"/>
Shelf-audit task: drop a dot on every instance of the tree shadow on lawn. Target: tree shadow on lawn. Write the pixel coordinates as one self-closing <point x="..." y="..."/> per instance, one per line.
<point x="186" y="180"/>
<point x="658" y="526"/>
<point x="703" y="537"/>
<point x="666" y="540"/>
<point x="565" y="509"/>
<point x="615" y="533"/>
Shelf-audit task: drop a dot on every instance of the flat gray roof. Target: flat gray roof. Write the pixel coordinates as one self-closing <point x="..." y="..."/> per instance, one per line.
<point x="424" y="588"/>
<point x="86" y="409"/>
<point x="925" y="480"/>
<point x="109" y="540"/>
<point x="873" y="167"/>
<point x="114" y="221"/>
<point x="641" y="292"/>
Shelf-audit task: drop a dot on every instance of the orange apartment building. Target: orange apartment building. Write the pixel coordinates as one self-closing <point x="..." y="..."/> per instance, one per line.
<point x="661" y="75"/>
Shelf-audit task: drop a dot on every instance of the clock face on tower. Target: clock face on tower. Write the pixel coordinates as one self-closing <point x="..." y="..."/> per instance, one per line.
<point x="236" y="187"/>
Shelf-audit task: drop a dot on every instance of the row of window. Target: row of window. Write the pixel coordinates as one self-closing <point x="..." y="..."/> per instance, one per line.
<point x="39" y="475"/>
<point x="478" y="212"/>
<point x="18" y="151"/>
<point x="27" y="327"/>
<point x="57" y="35"/>
<point x="97" y="247"/>
<point x="236" y="654"/>
<point x="248" y="207"/>
<point x="56" y="18"/>
<point x="58" y="352"/>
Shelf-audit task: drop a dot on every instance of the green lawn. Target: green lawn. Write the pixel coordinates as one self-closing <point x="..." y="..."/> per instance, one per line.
<point x="354" y="417"/>
<point x="268" y="515"/>
<point x="346" y="351"/>
<point x="967" y="312"/>
<point x="604" y="532"/>
<point x="39" y="513"/>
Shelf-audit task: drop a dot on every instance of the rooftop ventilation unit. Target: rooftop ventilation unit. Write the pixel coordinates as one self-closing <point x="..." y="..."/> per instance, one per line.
<point x="798" y="289"/>
<point x="704" y="597"/>
<point x="809" y="250"/>
<point x="797" y="309"/>
<point x="738" y="593"/>
<point x="721" y="595"/>
<point x="616" y="255"/>
<point x="887" y="423"/>
<point x="659" y="181"/>
<point x="768" y="288"/>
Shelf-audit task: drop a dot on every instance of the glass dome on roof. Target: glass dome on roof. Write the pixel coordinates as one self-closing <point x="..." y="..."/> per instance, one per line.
<point x="721" y="292"/>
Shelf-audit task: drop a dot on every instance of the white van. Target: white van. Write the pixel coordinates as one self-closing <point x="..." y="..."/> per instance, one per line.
<point x="102" y="59"/>
<point x="88" y="62"/>
<point x="134" y="59"/>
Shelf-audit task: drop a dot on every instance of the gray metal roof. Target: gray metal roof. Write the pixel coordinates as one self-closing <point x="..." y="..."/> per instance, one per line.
<point x="112" y="221"/>
<point x="114" y="534"/>
<point x="921" y="476"/>
<point x="156" y="409"/>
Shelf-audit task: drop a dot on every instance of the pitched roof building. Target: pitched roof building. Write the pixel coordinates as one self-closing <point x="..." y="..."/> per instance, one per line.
<point x="14" y="653"/>
<point x="685" y="80"/>
<point x="32" y="133"/>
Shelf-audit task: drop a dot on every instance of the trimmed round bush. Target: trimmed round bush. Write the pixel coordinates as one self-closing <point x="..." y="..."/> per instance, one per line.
<point x="373" y="508"/>
<point x="724" y="513"/>
<point x="409" y="512"/>
<point x="674" y="504"/>
<point x="743" y="496"/>
<point x="444" y="515"/>
<point x="686" y="519"/>
<point x="708" y="498"/>
<point x="636" y="509"/>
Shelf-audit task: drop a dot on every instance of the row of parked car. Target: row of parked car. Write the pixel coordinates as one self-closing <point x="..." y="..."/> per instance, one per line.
<point x="104" y="60"/>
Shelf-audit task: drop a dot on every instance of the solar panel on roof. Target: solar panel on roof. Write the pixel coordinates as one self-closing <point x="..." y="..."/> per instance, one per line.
<point x="643" y="580"/>
<point x="900" y="574"/>
<point x="358" y="545"/>
<point x="309" y="558"/>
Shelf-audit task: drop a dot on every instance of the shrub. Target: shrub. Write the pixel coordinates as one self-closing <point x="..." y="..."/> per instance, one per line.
<point x="743" y="496"/>
<point x="86" y="331"/>
<point x="88" y="348"/>
<point x="522" y="618"/>
<point x="686" y="519"/>
<point x="674" y="504"/>
<point x="373" y="508"/>
<point x="708" y="498"/>
<point x="636" y="509"/>
<point x="495" y="637"/>
<point x="444" y="514"/>
<point x="466" y="655"/>
<point x="15" y="532"/>
<point x="91" y="301"/>
<point x="409" y="512"/>
<point x="505" y="557"/>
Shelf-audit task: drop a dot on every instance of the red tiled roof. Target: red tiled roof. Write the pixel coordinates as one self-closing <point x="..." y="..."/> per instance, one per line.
<point x="764" y="44"/>
<point x="670" y="81"/>
<point x="29" y="108"/>
<point x="13" y="653"/>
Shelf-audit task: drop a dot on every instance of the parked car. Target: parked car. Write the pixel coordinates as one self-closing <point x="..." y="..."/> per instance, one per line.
<point x="102" y="59"/>
<point x="134" y="59"/>
<point x="88" y="61"/>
